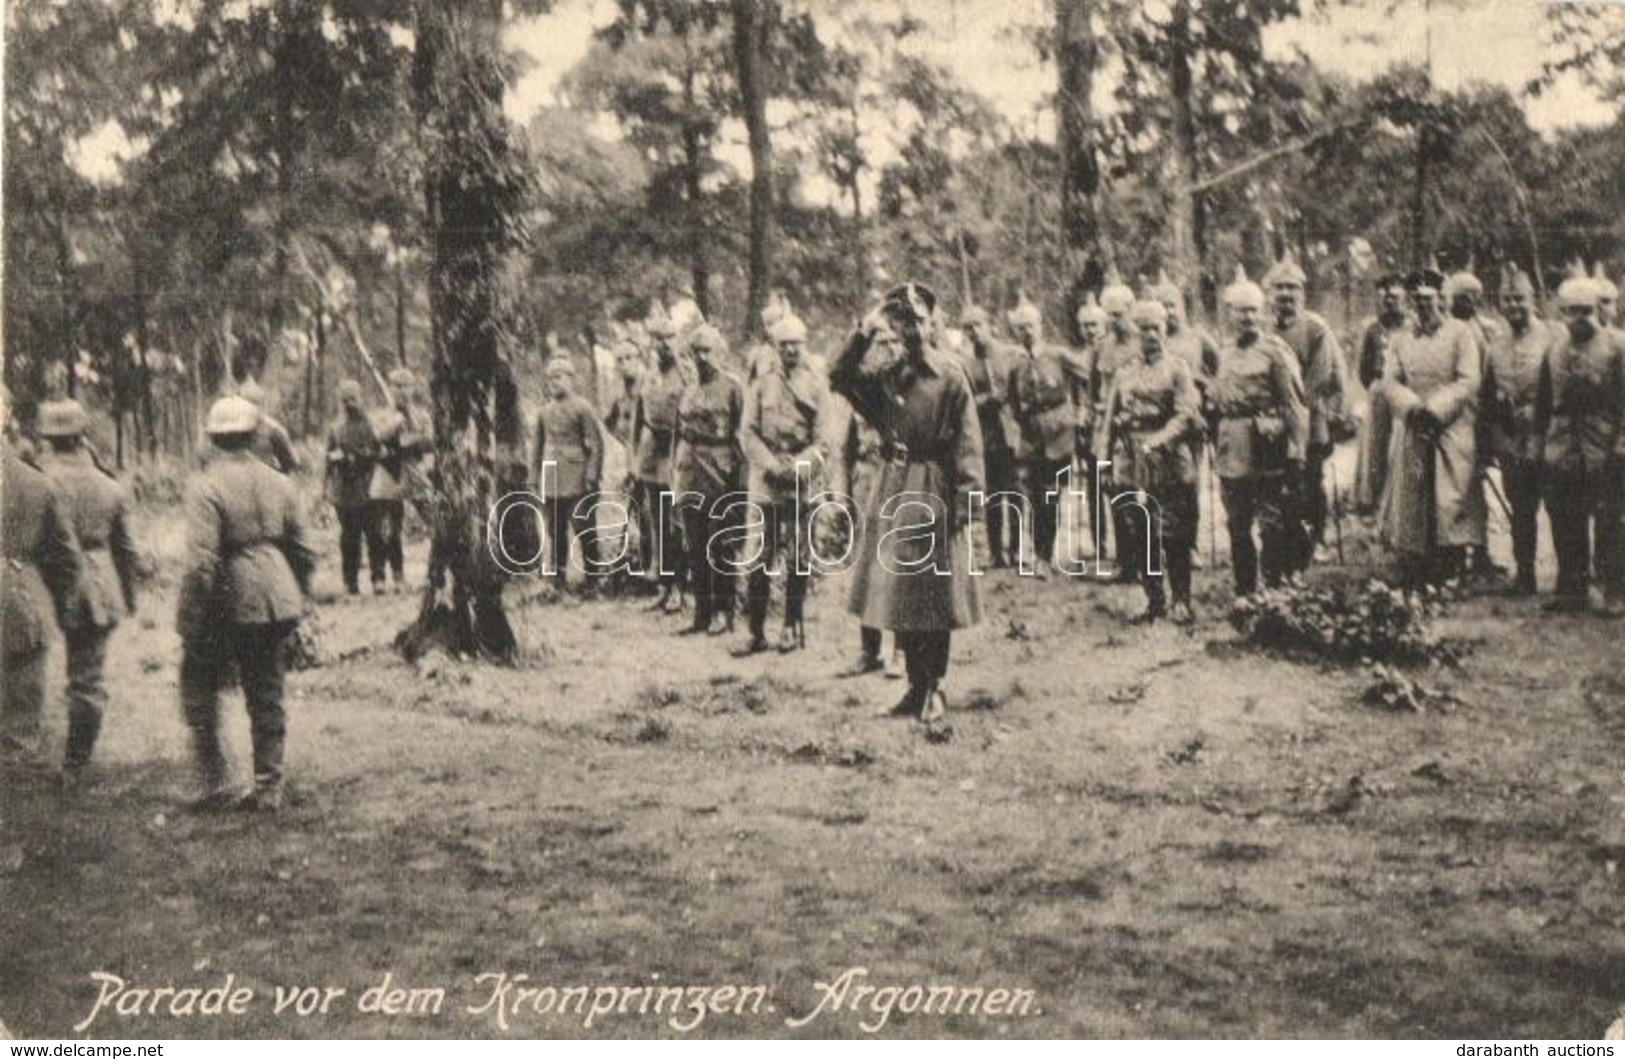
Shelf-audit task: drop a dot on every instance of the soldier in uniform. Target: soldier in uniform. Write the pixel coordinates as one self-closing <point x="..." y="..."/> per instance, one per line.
<point x="1511" y="379"/>
<point x="1198" y="350"/>
<point x="653" y="442"/>
<point x="783" y="433"/>
<point x="1041" y="403"/>
<point x="243" y="588"/>
<point x="1431" y="511"/>
<point x="352" y="450"/>
<point x="988" y="376"/>
<point x="1151" y="412"/>
<point x="568" y="465"/>
<point x="1121" y="348"/>
<point x="272" y="442"/>
<point x="39" y="588"/>
<point x="913" y="570"/>
<point x="1580" y="418"/>
<point x="99" y="507"/>
<point x="1377" y="335"/>
<point x="1260" y="432"/>
<point x="709" y="469"/>
<point x="403" y="432"/>
<point x="1320" y="362"/>
<point x="621" y="422"/>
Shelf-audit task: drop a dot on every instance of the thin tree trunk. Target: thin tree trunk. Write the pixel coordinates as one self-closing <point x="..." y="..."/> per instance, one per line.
<point x="1078" y="55"/>
<point x="400" y="312"/>
<point x="752" y="24"/>
<point x="1186" y="267"/>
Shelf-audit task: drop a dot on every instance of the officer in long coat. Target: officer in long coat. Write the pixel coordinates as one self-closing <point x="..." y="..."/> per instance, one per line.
<point x="1320" y="362"/>
<point x="38" y="589"/>
<point x="1511" y="382"/>
<point x="1260" y="431"/>
<point x="709" y="470"/>
<point x="243" y="588"/>
<point x="568" y="463"/>
<point x="784" y="434"/>
<point x="1431" y="511"/>
<point x="1580" y="418"/>
<point x="1151" y="412"/>
<point x="99" y="508"/>
<point x="913" y="572"/>
<point x="654" y="441"/>
<point x="1377" y="335"/>
<point x="989" y="376"/>
<point x="1041" y="404"/>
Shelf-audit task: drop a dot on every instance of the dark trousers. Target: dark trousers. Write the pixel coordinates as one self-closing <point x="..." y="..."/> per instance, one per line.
<point x="925" y="655"/>
<point x="1584" y="508"/>
<point x="256" y="650"/>
<point x="563" y="525"/>
<point x="999" y="471"/>
<point x="385" y="519"/>
<point x="780" y="534"/>
<point x="1173" y="539"/>
<point x="87" y="691"/>
<point x="869" y="641"/>
<point x="660" y="543"/>
<point x="709" y="546"/>
<point x="1522" y="481"/>
<point x="353" y="535"/>
<point x="1042" y="486"/>
<point x="1259" y="500"/>
<point x="1308" y="524"/>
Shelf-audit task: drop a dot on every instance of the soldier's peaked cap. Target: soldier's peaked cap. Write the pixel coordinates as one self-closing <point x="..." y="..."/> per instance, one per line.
<point x="231" y="415"/>
<point x="917" y="298"/>
<point x="1286" y="271"/>
<point x="1426" y="278"/>
<point x="1243" y="292"/>
<point x="62" y="419"/>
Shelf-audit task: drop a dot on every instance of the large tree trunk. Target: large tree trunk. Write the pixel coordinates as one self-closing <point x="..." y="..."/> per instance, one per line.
<point x="1077" y="54"/>
<point x="1184" y="264"/>
<point x="470" y="166"/>
<point x="752" y="24"/>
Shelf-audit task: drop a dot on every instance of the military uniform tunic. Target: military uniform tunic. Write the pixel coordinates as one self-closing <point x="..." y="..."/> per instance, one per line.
<point x="1580" y="419"/>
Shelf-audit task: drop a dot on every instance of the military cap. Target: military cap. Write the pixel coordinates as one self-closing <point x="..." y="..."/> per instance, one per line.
<point x="1150" y="312"/>
<point x="1463" y="282"/>
<point x="1025" y="314"/>
<point x="1163" y="289"/>
<point x="1579" y="291"/>
<point x="1091" y="310"/>
<point x="1390" y="278"/>
<point x="974" y="316"/>
<point x="707" y="337"/>
<point x="1285" y="272"/>
<point x="788" y="328"/>
<point x="232" y="415"/>
<point x="1243" y="292"/>
<point x="1518" y="282"/>
<point x="917" y="299"/>
<point x="349" y="391"/>
<point x="561" y="366"/>
<point x="659" y="325"/>
<point x="62" y="419"/>
<point x="1426" y="278"/>
<point x="1117" y="296"/>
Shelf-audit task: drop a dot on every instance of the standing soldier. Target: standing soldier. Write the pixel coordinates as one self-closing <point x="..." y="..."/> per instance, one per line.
<point x="1041" y="405"/>
<point x="1089" y="401"/>
<point x="1377" y="335"/>
<point x="653" y="441"/>
<point x="1260" y="432"/>
<point x="1511" y="382"/>
<point x="1320" y="362"/>
<point x="783" y="433"/>
<point x="1463" y="295"/>
<point x="1580" y="417"/>
<point x="916" y="583"/>
<point x="621" y="422"/>
<point x="569" y="445"/>
<point x="403" y="439"/>
<point x="98" y="507"/>
<point x="352" y="449"/>
<point x="1197" y="349"/>
<point x="1150" y="415"/>
<point x="988" y="377"/>
<point x="42" y="570"/>
<point x="243" y="588"/>
<point x="1122" y="349"/>
<point x="1431" y="386"/>
<point x="710" y="467"/>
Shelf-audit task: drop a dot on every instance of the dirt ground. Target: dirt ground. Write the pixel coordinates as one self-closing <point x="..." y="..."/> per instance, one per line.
<point x="1153" y="832"/>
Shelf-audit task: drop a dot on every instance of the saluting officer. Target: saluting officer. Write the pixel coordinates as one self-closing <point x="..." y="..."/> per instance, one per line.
<point x="243" y="588"/>
<point x="99" y="508"/>
<point x="1260" y="431"/>
<point x="783" y="433"/>
<point x="709" y="469"/>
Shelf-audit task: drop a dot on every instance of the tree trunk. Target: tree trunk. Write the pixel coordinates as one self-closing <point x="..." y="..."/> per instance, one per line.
<point x="693" y="171"/>
<point x="1183" y="262"/>
<point x="1077" y="55"/>
<point x="400" y="312"/>
<point x="752" y="24"/>
<point x="458" y="94"/>
<point x="1419" y="196"/>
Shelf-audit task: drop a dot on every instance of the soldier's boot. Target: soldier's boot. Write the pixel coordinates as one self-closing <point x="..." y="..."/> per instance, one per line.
<point x="935" y="706"/>
<point x="267" y="793"/>
<point x="912" y="702"/>
<point x="83" y="727"/>
<point x="756" y="614"/>
<point x="1156" y="601"/>
<point x="702" y="618"/>
<point x="200" y="702"/>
